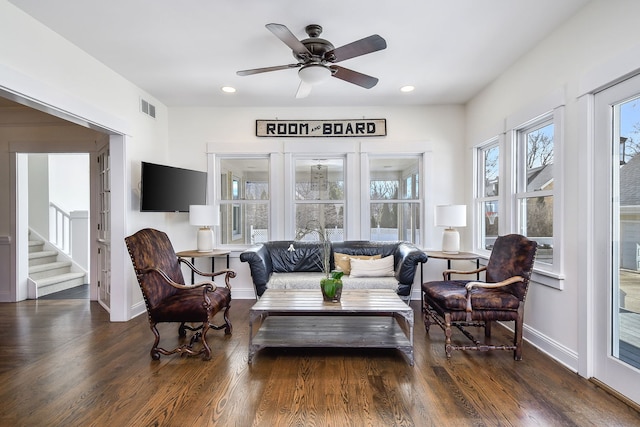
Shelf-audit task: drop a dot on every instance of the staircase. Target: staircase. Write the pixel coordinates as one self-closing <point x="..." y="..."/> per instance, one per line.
<point x="49" y="271"/>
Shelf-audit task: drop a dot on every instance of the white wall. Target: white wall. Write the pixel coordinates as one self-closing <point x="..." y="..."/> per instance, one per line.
<point x="69" y="181"/>
<point x="38" y="193"/>
<point x="602" y="30"/>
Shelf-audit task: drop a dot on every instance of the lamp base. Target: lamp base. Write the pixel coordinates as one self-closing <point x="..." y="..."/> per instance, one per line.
<point x="450" y="241"/>
<point x="205" y="239"/>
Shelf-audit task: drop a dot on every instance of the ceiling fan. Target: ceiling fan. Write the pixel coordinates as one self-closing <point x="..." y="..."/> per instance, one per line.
<point x="317" y="58"/>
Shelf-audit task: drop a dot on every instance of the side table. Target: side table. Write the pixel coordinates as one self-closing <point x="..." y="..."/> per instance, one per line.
<point x="454" y="257"/>
<point x="193" y="254"/>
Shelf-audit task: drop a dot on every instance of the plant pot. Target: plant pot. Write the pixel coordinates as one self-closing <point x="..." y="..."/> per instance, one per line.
<point x="331" y="287"/>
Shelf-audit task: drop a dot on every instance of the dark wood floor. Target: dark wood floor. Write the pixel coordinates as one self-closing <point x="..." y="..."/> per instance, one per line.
<point x="62" y="363"/>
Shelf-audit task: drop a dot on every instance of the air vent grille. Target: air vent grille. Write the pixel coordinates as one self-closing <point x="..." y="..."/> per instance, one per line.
<point x="147" y="108"/>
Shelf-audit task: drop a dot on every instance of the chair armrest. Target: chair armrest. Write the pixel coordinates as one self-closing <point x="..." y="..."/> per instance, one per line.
<point x="506" y="282"/>
<point x="485" y="285"/>
<point x="229" y="274"/>
<point x="446" y="274"/>
<point x="210" y="286"/>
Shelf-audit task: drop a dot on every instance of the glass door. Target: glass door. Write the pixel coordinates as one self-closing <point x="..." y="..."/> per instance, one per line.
<point x="617" y="224"/>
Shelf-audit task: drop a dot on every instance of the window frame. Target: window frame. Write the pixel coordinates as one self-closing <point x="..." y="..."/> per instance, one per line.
<point x="367" y="201"/>
<point x="480" y="198"/>
<point x="552" y="106"/>
<point x="280" y="155"/>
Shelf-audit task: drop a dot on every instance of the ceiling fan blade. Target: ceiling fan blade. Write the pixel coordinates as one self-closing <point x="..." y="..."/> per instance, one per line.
<point x="304" y="89"/>
<point x="284" y="34"/>
<point x="360" y="47"/>
<point x="266" y="69"/>
<point x="354" y="77"/>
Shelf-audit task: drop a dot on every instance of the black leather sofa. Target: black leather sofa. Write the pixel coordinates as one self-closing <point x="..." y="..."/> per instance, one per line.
<point x="267" y="258"/>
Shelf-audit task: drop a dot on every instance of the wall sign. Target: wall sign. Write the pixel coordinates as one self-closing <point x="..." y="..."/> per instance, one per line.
<point x="316" y="128"/>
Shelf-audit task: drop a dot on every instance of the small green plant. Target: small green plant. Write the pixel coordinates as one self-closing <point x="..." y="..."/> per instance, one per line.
<point x="332" y="286"/>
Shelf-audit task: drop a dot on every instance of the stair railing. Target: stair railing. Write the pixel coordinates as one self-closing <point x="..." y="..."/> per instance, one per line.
<point x="60" y="232"/>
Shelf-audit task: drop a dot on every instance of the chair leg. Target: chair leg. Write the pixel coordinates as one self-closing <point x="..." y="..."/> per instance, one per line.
<point x="447" y="335"/>
<point x="205" y="347"/>
<point x="426" y="315"/>
<point x="517" y="337"/>
<point x="487" y="328"/>
<point x="155" y="354"/>
<point x="229" y="328"/>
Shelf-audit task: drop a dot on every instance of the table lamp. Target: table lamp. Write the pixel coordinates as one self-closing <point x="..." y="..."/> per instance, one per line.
<point x="204" y="216"/>
<point x="450" y="216"/>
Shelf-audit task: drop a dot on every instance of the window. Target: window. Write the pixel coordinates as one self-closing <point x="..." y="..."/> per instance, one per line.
<point x="394" y="198"/>
<point x="244" y="200"/>
<point x="534" y="185"/>
<point x="346" y="191"/>
<point x="319" y="199"/>
<point x="517" y="187"/>
<point x="487" y="200"/>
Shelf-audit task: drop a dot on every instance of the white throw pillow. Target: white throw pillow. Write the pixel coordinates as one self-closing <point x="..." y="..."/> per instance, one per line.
<point x="372" y="267"/>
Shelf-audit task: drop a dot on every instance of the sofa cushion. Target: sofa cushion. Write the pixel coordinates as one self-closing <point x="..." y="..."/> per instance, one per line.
<point x="296" y="256"/>
<point x="303" y="280"/>
<point x="342" y="261"/>
<point x="372" y="267"/>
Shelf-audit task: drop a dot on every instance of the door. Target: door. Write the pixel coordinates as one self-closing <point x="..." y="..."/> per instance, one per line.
<point x="103" y="245"/>
<point x="617" y="234"/>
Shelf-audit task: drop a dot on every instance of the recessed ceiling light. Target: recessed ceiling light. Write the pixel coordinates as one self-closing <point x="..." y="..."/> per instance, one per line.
<point x="407" y="88"/>
<point x="228" y="89"/>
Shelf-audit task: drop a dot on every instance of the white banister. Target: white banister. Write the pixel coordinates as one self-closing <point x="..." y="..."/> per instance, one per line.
<point x="60" y="229"/>
<point x="69" y="232"/>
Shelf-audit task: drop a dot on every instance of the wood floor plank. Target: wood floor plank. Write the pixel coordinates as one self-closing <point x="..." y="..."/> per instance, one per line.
<point x="63" y="363"/>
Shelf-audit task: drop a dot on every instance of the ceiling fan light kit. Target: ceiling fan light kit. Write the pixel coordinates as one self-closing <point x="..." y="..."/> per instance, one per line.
<point x="314" y="74"/>
<point x="316" y="58"/>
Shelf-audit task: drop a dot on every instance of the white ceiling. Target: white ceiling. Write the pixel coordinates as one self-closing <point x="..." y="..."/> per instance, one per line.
<point x="183" y="52"/>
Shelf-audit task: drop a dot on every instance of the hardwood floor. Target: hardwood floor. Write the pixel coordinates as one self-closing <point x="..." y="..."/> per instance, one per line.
<point x="62" y="363"/>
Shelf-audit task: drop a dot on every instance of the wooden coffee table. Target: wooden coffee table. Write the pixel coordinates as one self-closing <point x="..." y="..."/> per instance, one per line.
<point x="364" y="318"/>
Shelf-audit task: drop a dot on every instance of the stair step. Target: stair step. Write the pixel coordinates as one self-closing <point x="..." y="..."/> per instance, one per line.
<point x="41" y="271"/>
<point x="35" y="246"/>
<point x="59" y="283"/>
<point x="42" y="257"/>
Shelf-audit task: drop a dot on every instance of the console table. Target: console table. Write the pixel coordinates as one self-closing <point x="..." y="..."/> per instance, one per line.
<point x="193" y="254"/>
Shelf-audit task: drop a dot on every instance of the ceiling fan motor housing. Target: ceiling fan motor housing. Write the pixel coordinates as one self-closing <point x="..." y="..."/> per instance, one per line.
<point x="317" y="46"/>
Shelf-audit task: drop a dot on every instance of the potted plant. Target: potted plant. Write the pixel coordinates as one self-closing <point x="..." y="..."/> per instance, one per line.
<point x="331" y="284"/>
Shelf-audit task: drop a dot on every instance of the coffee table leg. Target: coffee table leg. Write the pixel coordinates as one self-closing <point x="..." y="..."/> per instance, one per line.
<point x="253" y="316"/>
<point x="405" y="320"/>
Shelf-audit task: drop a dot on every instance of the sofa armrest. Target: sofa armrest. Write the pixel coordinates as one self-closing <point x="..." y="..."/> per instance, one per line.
<point x="260" y="265"/>
<point x="408" y="256"/>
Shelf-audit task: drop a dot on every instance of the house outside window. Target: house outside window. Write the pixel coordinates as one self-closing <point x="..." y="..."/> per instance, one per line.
<point x="535" y="185"/>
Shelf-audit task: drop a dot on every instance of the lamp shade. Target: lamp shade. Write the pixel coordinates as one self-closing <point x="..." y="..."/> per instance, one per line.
<point x="203" y="215"/>
<point x="314" y="73"/>
<point x="450" y="216"/>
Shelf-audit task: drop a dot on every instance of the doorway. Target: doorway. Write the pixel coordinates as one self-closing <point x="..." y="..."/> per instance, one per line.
<point x="617" y="237"/>
<point x="59" y="224"/>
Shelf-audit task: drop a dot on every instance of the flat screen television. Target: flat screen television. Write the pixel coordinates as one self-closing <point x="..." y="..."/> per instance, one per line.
<point x="170" y="189"/>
